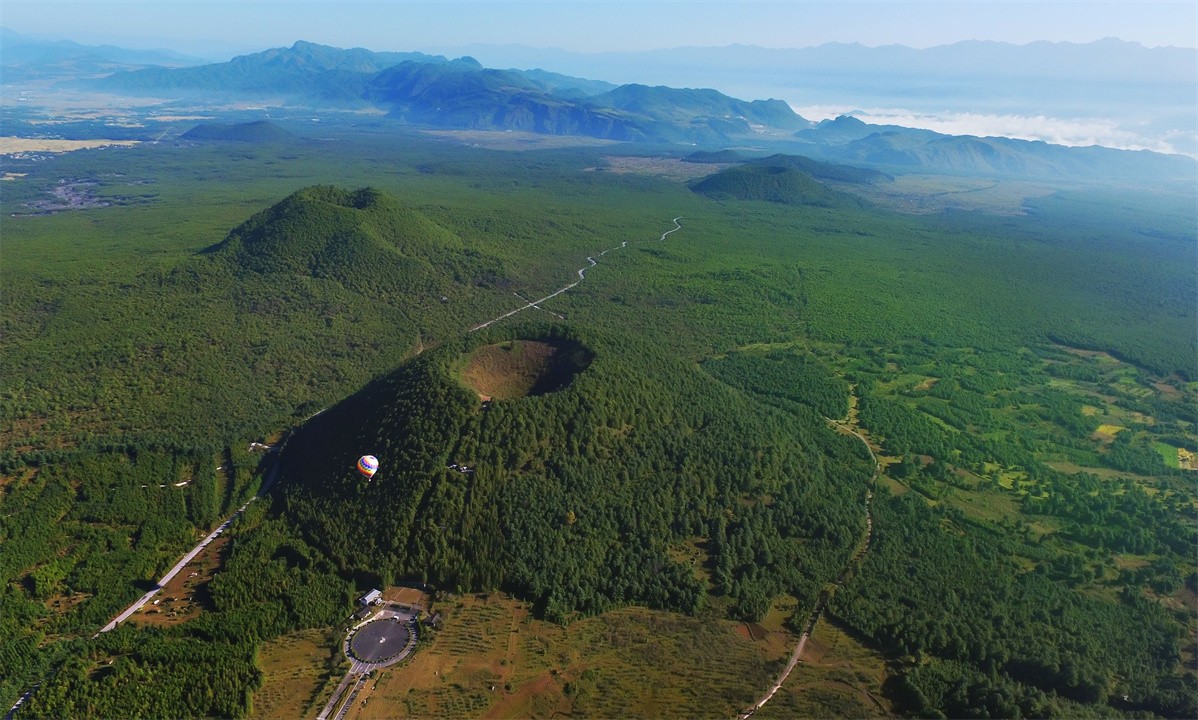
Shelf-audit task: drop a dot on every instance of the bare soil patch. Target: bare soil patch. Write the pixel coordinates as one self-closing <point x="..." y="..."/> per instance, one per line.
<point x="408" y="596"/>
<point x="662" y="167"/>
<point x="520" y="368"/>
<point x="186" y="595"/>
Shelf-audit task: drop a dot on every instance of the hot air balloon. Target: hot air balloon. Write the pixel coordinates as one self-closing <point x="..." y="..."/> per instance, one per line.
<point x="368" y="465"/>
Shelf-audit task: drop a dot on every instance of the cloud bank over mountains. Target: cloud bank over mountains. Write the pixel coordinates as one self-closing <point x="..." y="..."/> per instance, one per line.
<point x="1071" y="132"/>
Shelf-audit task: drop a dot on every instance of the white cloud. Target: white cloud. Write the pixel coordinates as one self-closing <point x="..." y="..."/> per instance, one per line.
<point x="1071" y="132"/>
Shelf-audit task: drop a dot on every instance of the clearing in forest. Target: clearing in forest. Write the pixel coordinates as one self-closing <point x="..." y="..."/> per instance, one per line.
<point x="492" y="658"/>
<point x="298" y="670"/>
<point x="837" y="676"/>
<point x="186" y="595"/>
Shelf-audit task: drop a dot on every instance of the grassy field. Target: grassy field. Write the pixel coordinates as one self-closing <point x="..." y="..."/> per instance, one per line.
<point x="493" y="659"/>
<point x="299" y="672"/>
<point x="923" y="194"/>
<point x="836" y="676"/>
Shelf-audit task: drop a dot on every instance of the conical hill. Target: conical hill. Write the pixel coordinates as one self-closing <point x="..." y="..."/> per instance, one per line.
<point x="363" y="239"/>
<point x="631" y="478"/>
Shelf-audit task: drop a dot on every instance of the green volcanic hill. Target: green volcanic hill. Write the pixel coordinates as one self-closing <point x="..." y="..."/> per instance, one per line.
<point x="258" y="131"/>
<point x="822" y="170"/>
<point x="576" y="496"/>
<point x="772" y="181"/>
<point x="364" y="240"/>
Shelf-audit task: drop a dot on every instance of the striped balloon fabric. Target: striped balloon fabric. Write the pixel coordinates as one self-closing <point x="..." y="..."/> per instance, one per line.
<point x="368" y="465"/>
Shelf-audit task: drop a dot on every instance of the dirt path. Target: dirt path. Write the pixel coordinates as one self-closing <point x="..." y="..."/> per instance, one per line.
<point x="581" y="276"/>
<point x="853" y="563"/>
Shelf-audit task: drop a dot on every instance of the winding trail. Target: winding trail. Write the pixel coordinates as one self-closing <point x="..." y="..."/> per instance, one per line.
<point x="581" y="276"/>
<point x="853" y="564"/>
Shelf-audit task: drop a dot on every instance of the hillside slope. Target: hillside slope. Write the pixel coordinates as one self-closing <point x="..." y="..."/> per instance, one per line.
<point x="578" y="498"/>
<point x="364" y="240"/>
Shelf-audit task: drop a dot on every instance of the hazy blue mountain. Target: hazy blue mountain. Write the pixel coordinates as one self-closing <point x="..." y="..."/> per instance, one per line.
<point x="714" y="109"/>
<point x="23" y="57"/>
<point x="1124" y="92"/>
<point x="848" y="139"/>
<point x="1108" y="60"/>
<point x="464" y="94"/>
<point x="566" y="85"/>
<point x="461" y="93"/>
<point x="846" y="128"/>
<point x="307" y="71"/>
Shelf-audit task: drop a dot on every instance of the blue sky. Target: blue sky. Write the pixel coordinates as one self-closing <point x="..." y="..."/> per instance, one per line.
<point x="220" y="28"/>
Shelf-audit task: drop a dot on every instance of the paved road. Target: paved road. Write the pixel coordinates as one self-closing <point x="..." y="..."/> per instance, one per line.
<point x="581" y="277"/>
<point x="21" y="701"/>
<point x="188" y="557"/>
<point x="827" y="593"/>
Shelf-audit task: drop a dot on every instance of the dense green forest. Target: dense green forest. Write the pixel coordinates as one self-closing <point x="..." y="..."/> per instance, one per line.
<point x="574" y="498"/>
<point x="1028" y="380"/>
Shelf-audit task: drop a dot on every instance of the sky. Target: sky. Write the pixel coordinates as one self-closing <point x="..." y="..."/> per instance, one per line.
<point x="218" y="29"/>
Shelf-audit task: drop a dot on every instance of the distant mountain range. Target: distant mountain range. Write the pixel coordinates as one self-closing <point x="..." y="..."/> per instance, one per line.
<point x="1117" y="93"/>
<point x="433" y="90"/>
<point x="25" y="58"/>
<point x="1107" y="60"/>
<point x="849" y="140"/>
<point x="461" y="93"/>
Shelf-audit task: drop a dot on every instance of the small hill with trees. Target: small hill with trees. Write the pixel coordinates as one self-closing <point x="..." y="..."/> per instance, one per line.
<point x="770" y="183"/>
<point x="363" y="239"/>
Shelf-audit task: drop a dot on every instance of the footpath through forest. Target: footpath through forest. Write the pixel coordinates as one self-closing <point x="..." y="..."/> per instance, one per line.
<point x="845" y="574"/>
<point x="581" y="276"/>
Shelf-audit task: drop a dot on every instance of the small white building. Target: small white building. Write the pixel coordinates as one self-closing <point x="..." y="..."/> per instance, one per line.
<point x="372" y="597"/>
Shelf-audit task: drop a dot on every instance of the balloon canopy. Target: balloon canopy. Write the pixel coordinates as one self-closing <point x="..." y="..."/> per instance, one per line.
<point x="368" y="465"/>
